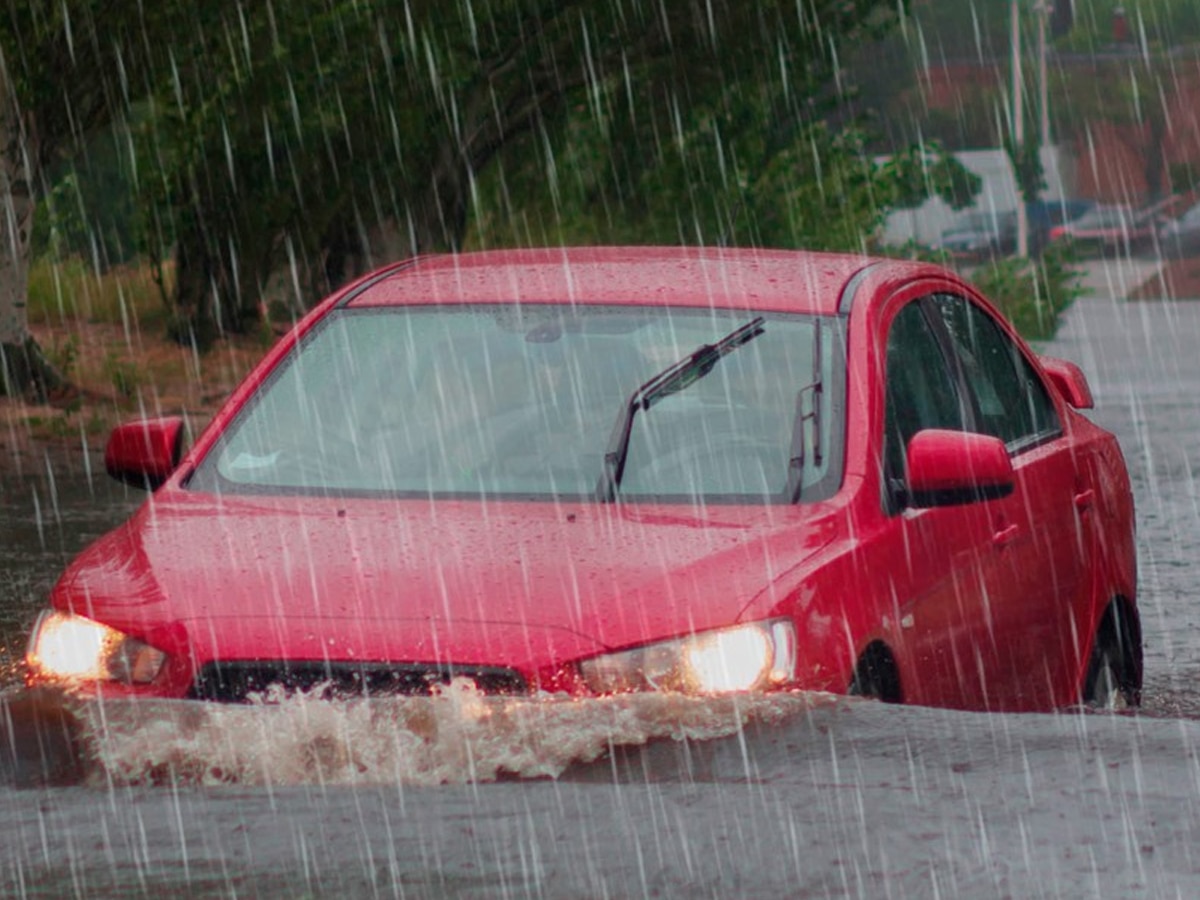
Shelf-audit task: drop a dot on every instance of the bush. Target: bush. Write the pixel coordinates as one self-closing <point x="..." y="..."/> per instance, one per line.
<point x="1033" y="294"/>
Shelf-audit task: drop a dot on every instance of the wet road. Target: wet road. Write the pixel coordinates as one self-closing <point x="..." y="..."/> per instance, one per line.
<point x="1143" y="362"/>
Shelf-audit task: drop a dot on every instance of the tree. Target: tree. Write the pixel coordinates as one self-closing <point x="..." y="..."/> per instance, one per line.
<point x="65" y="69"/>
<point x="1136" y="101"/>
<point x="730" y="175"/>
<point x="293" y="139"/>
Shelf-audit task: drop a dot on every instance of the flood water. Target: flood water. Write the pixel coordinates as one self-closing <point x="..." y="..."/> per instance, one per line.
<point x="51" y="507"/>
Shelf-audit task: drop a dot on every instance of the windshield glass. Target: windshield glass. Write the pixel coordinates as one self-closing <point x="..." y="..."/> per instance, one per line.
<point x="508" y="400"/>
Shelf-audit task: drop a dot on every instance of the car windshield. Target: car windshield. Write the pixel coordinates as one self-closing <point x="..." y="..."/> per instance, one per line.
<point x="512" y="400"/>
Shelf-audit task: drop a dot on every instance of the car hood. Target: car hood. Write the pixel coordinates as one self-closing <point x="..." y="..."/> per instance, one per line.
<point x="504" y="583"/>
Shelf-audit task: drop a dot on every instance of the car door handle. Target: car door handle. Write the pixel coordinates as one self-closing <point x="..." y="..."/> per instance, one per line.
<point x="1083" y="500"/>
<point x="1006" y="536"/>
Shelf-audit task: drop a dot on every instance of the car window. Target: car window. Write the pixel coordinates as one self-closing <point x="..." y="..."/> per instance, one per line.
<point x="921" y="390"/>
<point x="1011" y="401"/>
<point x="502" y="399"/>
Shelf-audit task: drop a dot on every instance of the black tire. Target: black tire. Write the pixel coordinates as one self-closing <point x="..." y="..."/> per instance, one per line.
<point x="1114" y="677"/>
<point x="876" y="676"/>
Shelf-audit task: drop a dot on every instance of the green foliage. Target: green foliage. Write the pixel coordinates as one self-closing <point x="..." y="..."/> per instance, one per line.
<point x="63" y="290"/>
<point x="77" y="65"/>
<point x="980" y="28"/>
<point x="740" y="170"/>
<point x="928" y="170"/>
<point x="124" y="375"/>
<point x="61" y="227"/>
<point x="261" y="139"/>
<point x="1183" y="176"/>
<point x="91" y="209"/>
<point x="63" y="354"/>
<point x="293" y="140"/>
<point x="1134" y="97"/>
<point x="1164" y="23"/>
<point x="1027" y="167"/>
<point x="1033" y="294"/>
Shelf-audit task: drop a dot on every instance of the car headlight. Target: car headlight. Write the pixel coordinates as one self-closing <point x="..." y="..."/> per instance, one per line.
<point x="66" y="647"/>
<point x="742" y="658"/>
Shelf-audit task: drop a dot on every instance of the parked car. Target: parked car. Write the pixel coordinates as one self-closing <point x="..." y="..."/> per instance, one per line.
<point x="986" y="234"/>
<point x="1046" y="215"/>
<point x="594" y="471"/>
<point x="981" y="235"/>
<point x="1181" y="236"/>
<point x="1111" y="228"/>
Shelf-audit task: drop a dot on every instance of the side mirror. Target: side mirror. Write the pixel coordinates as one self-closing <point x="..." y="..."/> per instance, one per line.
<point x="1069" y="380"/>
<point x="946" y="468"/>
<point x="144" y="453"/>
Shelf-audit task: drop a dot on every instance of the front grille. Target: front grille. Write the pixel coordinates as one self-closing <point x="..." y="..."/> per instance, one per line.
<point x="232" y="682"/>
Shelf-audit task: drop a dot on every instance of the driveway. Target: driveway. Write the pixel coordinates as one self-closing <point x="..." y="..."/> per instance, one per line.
<point x="1116" y="277"/>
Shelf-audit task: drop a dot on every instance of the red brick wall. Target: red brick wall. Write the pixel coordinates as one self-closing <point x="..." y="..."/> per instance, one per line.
<point x="1093" y="113"/>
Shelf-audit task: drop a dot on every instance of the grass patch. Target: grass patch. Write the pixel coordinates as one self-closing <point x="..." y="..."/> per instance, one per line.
<point x="106" y="333"/>
<point x="69" y="290"/>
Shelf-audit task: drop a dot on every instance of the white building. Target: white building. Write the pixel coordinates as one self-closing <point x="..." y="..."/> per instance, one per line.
<point x="998" y="194"/>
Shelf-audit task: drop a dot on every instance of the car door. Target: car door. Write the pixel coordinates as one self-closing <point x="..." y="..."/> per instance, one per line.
<point x="939" y="561"/>
<point x="1042" y="533"/>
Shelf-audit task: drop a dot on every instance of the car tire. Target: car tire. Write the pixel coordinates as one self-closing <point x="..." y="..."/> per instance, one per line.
<point x="875" y="675"/>
<point x="1114" y="677"/>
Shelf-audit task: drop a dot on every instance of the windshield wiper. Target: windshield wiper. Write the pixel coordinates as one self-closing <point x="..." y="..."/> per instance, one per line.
<point x="678" y="377"/>
<point x="813" y="389"/>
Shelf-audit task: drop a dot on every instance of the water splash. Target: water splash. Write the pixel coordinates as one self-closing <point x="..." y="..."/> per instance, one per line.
<point x="456" y="737"/>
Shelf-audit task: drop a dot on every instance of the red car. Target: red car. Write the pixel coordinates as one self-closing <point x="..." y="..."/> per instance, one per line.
<point x="1111" y="228"/>
<point x="601" y="470"/>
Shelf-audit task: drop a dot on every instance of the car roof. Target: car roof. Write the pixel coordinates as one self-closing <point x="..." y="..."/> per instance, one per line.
<point x="776" y="280"/>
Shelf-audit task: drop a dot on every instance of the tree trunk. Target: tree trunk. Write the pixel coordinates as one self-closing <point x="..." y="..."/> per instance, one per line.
<point x="211" y="287"/>
<point x="1155" y="157"/>
<point x="192" y="323"/>
<point x="23" y="368"/>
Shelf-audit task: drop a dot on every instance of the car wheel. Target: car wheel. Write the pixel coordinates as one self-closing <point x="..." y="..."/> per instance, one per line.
<point x="876" y="676"/>
<point x="1104" y="686"/>
<point x="1114" y="675"/>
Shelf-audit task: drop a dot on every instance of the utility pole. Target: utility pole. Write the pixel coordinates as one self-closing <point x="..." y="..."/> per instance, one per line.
<point x="1043" y="20"/>
<point x="1018" y="129"/>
